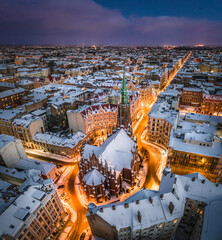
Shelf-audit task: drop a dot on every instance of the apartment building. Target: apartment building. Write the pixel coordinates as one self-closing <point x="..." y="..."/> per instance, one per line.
<point x="6" y="118"/>
<point x="195" y="145"/>
<point x="26" y="127"/>
<point x="62" y="145"/>
<point x="30" y="211"/>
<point x="96" y="119"/>
<point x="192" y="97"/>
<point x="11" y="98"/>
<point x="182" y="206"/>
<point x="212" y="105"/>
<point x="161" y="119"/>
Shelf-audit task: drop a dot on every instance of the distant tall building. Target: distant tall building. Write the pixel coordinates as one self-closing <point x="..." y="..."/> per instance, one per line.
<point x="124" y="116"/>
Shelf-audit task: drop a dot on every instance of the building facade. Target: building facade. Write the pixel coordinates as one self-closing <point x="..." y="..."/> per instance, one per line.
<point x="98" y="119"/>
<point x="104" y="170"/>
<point x="66" y="145"/>
<point x="192" y="97"/>
<point x="26" y="127"/>
<point x="182" y="203"/>
<point x="33" y="215"/>
<point x="161" y="119"/>
<point x="195" y="145"/>
<point x="11" y="98"/>
<point x="212" y="105"/>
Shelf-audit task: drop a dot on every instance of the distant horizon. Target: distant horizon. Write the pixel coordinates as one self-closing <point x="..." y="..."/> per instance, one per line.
<point x="106" y="45"/>
<point x="121" y="23"/>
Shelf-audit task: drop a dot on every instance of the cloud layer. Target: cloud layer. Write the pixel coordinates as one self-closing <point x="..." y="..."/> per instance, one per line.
<point x="86" y="22"/>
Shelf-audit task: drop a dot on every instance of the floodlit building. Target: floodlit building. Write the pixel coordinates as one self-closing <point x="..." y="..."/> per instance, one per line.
<point x="97" y="119"/>
<point x="192" y="97"/>
<point x="105" y="170"/>
<point x="188" y="206"/>
<point x="212" y="105"/>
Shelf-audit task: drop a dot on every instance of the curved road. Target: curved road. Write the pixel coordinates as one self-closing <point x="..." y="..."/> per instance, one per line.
<point x="157" y="158"/>
<point x="152" y="181"/>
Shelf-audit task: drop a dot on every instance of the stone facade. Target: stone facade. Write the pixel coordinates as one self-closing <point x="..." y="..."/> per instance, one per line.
<point x="211" y="105"/>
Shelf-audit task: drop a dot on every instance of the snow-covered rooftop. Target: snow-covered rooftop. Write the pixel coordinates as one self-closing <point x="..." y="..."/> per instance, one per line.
<point x="116" y="151"/>
<point x="153" y="206"/>
<point x="197" y="137"/>
<point x="6" y="139"/>
<point x="56" y="140"/>
<point x="94" y="178"/>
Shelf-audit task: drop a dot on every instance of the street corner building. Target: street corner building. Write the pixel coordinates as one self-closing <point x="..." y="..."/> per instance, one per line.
<point x="107" y="170"/>
<point x="184" y="207"/>
<point x="32" y="210"/>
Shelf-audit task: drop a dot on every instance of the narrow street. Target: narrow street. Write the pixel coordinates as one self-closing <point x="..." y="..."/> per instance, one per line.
<point x="81" y="222"/>
<point x="152" y="181"/>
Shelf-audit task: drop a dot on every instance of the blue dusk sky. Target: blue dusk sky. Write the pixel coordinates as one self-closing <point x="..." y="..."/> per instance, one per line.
<point x="111" y="22"/>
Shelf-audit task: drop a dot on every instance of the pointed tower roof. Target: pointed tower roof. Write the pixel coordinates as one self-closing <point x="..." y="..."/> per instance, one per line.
<point x="124" y="94"/>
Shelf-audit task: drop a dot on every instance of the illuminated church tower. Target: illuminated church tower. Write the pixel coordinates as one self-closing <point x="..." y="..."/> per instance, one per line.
<point x="124" y="116"/>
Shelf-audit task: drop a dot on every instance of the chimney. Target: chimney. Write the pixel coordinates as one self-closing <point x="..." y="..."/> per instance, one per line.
<point x="151" y="200"/>
<point x="139" y="216"/>
<point x="171" y="207"/>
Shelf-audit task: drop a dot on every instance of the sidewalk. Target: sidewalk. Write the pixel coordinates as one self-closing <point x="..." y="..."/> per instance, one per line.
<point x="80" y="194"/>
<point x="42" y="154"/>
<point x="71" y="219"/>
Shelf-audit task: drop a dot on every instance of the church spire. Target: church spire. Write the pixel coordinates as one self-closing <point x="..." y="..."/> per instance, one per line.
<point x="124" y="95"/>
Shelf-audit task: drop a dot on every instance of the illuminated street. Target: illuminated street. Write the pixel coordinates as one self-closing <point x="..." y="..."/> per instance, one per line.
<point x="156" y="163"/>
<point x="155" y="157"/>
<point x="157" y="154"/>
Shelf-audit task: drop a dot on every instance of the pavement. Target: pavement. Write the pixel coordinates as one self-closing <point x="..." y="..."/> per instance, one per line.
<point x="41" y="155"/>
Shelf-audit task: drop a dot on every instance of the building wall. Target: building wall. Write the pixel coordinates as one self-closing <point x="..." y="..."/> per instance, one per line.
<point x="13" y="100"/>
<point x="44" y="221"/>
<point x="101" y="228"/>
<point x="76" y="122"/>
<point x="159" y="131"/>
<point x="191" y="98"/>
<point x="11" y="153"/>
<point x="56" y="149"/>
<point x="36" y="127"/>
<point x="36" y="105"/>
<point x="26" y="134"/>
<point x="211" y="106"/>
<point x="186" y="163"/>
